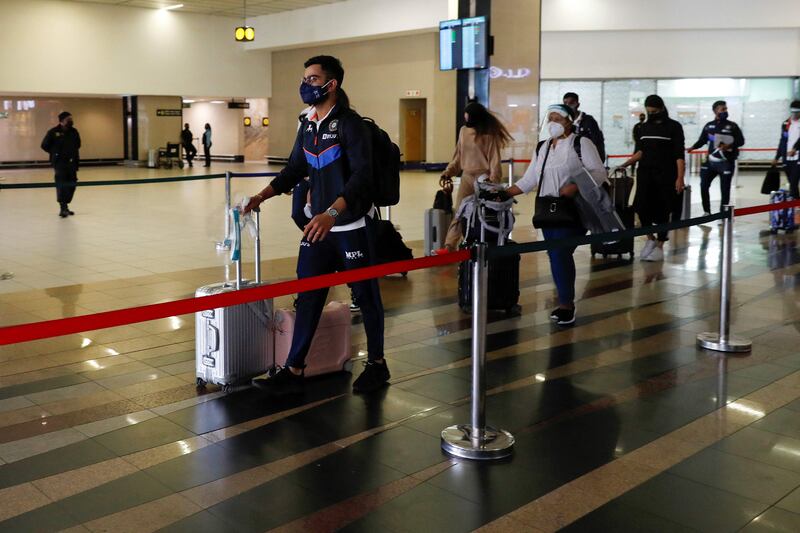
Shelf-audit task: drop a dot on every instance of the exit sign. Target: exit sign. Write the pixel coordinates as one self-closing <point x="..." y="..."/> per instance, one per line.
<point x="414" y="92"/>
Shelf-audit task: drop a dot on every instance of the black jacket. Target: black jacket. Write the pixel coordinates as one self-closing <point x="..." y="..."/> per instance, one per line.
<point x="783" y="144"/>
<point x="186" y="137"/>
<point x="337" y="159"/>
<point x="63" y="145"/>
<point x="726" y="127"/>
<point x="588" y="127"/>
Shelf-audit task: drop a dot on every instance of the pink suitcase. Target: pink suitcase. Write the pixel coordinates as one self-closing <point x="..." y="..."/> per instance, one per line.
<point x="331" y="348"/>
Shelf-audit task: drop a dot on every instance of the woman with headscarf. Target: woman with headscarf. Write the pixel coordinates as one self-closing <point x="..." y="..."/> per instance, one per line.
<point x="555" y="162"/>
<point x="477" y="152"/>
<point x="659" y="180"/>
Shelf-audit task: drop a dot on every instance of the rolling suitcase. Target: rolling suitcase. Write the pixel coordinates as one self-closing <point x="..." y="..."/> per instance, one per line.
<point x="503" y="290"/>
<point x="620" y="186"/>
<point x="492" y="224"/>
<point x="331" y="348"/>
<point x="781" y="219"/>
<point x="437" y="221"/>
<point x="234" y="343"/>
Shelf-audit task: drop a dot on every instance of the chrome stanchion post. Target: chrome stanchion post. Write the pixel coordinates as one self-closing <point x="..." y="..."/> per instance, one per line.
<point x="257" y="213"/>
<point x="477" y="440"/>
<point x="722" y="341"/>
<point x="510" y="172"/>
<point x="225" y="243"/>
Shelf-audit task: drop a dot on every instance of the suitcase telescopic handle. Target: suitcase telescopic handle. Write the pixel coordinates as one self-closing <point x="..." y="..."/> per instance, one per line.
<point x="257" y="211"/>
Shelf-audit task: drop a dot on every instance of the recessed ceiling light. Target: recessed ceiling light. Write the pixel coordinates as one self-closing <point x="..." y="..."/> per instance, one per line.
<point x="170" y="8"/>
<point x="217" y="101"/>
<point x="188" y="101"/>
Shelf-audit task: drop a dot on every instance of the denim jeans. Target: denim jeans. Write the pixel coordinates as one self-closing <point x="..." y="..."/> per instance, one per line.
<point x="562" y="264"/>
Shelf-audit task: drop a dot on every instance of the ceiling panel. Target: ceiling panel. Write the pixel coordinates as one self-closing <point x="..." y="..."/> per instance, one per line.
<point x="225" y="8"/>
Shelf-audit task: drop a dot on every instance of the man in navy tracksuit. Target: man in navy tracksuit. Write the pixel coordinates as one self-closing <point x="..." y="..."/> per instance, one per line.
<point x="724" y="138"/>
<point x="333" y="148"/>
<point x="789" y="148"/>
<point x="586" y="125"/>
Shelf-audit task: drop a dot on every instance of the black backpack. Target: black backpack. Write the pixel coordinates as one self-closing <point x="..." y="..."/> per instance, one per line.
<point x="385" y="166"/>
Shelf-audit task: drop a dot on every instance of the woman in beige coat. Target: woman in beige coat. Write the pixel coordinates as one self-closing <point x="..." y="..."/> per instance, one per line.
<point x="477" y="153"/>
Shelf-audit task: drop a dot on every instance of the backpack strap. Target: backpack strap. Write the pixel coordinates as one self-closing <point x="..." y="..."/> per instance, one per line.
<point x="576" y="144"/>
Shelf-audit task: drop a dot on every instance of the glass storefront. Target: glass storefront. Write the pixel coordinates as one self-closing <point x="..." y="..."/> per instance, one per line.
<point x="758" y="105"/>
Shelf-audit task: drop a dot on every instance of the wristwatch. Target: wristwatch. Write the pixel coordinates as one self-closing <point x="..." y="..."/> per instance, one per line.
<point x="332" y="212"/>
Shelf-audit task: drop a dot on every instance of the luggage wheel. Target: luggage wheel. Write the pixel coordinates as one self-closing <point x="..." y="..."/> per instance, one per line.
<point x="348" y="366"/>
<point x="226" y="388"/>
<point x="201" y="383"/>
<point x="404" y="274"/>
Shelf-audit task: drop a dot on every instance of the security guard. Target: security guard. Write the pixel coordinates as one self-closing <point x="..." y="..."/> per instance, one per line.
<point x="724" y="138"/>
<point x="63" y="143"/>
<point x="333" y="148"/>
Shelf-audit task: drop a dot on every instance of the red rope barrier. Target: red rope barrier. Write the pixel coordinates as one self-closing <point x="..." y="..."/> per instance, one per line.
<point x="121" y="317"/>
<point x="742" y="211"/>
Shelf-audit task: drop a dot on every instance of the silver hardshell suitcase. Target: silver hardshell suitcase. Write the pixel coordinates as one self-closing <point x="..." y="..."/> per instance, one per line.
<point x="234" y="343"/>
<point x="437" y="221"/>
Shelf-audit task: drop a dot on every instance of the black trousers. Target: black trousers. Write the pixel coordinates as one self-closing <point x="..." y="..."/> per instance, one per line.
<point x="207" y="154"/>
<point x="339" y="251"/>
<point x="66" y="176"/>
<point x="191" y="152"/>
<point x="793" y="173"/>
<point x="709" y="171"/>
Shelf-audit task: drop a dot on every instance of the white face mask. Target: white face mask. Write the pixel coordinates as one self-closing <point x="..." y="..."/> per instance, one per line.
<point x="556" y="130"/>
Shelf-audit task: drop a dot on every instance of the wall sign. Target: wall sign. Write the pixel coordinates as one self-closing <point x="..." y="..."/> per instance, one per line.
<point x="509" y="73"/>
<point x="238" y="105"/>
<point x="169" y="112"/>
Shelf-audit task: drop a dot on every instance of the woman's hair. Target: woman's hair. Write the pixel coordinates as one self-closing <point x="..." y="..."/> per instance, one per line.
<point x="208" y="126"/>
<point x="486" y="123"/>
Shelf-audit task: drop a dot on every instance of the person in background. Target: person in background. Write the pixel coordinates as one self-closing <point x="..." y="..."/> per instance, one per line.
<point x="554" y="163"/>
<point x="207" y="145"/>
<point x="586" y="124"/>
<point x="789" y="148"/>
<point x="63" y="143"/>
<point x="637" y="133"/>
<point x="724" y="138"/>
<point x="188" y="145"/>
<point x="477" y="152"/>
<point x="662" y="166"/>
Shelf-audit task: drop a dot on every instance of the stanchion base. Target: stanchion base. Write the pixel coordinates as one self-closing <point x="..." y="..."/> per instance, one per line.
<point x="712" y="341"/>
<point x="224" y="245"/>
<point x="457" y="441"/>
<point x="6" y="275"/>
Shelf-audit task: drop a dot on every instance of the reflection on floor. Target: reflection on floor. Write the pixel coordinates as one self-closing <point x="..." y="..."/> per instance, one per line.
<point x="621" y="423"/>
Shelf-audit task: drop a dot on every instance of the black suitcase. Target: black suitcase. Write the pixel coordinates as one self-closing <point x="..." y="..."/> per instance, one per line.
<point x="503" y="290"/>
<point x="620" y="186"/>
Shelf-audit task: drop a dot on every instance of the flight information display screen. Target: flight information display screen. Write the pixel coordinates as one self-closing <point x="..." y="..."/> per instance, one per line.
<point x="463" y="44"/>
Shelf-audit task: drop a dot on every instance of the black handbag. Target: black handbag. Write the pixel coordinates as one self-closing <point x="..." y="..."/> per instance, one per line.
<point x="772" y="181"/>
<point x="444" y="201"/>
<point x="553" y="211"/>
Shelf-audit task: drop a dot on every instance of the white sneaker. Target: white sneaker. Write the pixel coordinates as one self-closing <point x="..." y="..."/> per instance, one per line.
<point x="656" y="255"/>
<point x="647" y="250"/>
<point x="706" y="214"/>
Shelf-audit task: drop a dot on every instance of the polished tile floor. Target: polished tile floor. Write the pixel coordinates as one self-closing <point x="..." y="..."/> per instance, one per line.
<point x="621" y="423"/>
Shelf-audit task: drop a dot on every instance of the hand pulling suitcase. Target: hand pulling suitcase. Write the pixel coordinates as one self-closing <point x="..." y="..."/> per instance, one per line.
<point x="781" y="219"/>
<point x="234" y="343"/>
<point x="436" y="223"/>
<point x="620" y="186"/>
<point x="331" y="348"/>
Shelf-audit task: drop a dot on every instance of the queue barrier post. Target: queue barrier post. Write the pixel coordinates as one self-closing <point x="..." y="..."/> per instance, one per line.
<point x="510" y="172"/>
<point x="225" y="243"/>
<point x="723" y="341"/>
<point x="477" y="440"/>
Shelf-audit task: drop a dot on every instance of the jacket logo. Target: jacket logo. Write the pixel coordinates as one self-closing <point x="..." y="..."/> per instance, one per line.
<point x="354" y="255"/>
<point x="305" y="243"/>
<point x="334" y="125"/>
<point x="309" y="128"/>
<point x="326" y="136"/>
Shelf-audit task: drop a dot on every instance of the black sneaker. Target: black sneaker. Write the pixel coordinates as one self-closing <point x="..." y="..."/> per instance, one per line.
<point x="70" y="212"/>
<point x="283" y="382"/>
<point x="564" y="317"/>
<point x="554" y="313"/>
<point x="374" y="376"/>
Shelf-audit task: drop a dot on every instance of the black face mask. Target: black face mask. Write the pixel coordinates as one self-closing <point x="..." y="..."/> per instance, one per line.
<point x="656" y="116"/>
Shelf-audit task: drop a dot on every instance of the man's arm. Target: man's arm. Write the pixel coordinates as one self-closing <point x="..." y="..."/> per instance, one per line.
<point x="703" y="139"/>
<point x="47" y="142"/>
<point x="782" y="145"/>
<point x="738" y="137"/>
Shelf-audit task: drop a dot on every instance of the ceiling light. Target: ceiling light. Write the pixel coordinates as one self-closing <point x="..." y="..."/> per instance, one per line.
<point x="170" y="8"/>
<point x="188" y="101"/>
<point x="217" y="101"/>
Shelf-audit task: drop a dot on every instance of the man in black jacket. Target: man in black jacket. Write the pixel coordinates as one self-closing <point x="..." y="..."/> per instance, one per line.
<point x="333" y="148"/>
<point x="585" y="124"/>
<point x="188" y="145"/>
<point x="63" y="143"/>
<point x="724" y="138"/>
